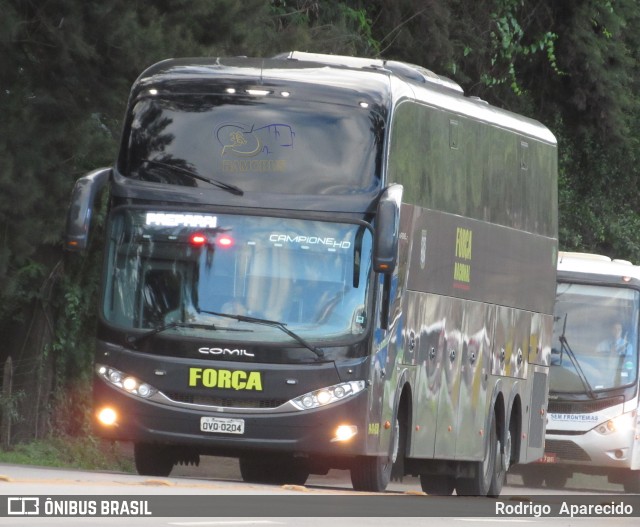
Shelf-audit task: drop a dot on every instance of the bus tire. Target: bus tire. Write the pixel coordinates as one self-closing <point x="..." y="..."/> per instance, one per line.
<point x="502" y="461"/>
<point x="373" y="473"/>
<point x="485" y="471"/>
<point x="273" y="472"/>
<point x="631" y="482"/>
<point x="556" y="478"/>
<point x="398" y="469"/>
<point x="532" y="477"/>
<point x="153" y="460"/>
<point x="438" y="485"/>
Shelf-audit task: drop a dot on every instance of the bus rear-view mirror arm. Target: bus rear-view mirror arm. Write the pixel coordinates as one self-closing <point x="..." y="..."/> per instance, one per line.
<point x="81" y="208"/>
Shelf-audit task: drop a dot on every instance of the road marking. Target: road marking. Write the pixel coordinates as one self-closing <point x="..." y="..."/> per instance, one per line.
<point x="521" y="520"/>
<point x="225" y="522"/>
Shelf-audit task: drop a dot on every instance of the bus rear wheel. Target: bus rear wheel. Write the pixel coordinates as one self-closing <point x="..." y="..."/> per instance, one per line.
<point x="486" y="480"/>
<point x="153" y="460"/>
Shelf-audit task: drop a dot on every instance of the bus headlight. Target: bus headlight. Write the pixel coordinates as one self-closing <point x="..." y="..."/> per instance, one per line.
<point x="606" y="428"/>
<point x="125" y="382"/>
<point x="622" y="423"/>
<point x="329" y="395"/>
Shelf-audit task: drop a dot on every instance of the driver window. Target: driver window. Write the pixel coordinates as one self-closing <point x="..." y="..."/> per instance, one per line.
<point x="161" y="297"/>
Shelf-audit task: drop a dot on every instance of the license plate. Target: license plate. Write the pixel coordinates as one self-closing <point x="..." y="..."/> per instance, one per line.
<point x="548" y="457"/>
<point x="222" y="425"/>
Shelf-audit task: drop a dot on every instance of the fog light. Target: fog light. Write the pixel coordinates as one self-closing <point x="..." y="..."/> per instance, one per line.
<point x="107" y="416"/>
<point x="345" y="432"/>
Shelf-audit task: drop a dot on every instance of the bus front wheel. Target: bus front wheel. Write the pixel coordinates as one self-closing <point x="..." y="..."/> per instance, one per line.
<point x="373" y="473"/>
<point x="631" y="482"/>
<point x="153" y="460"/>
<point x="274" y="471"/>
<point x="532" y="477"/>
<point x="438" y="484"/>
<point x="556" y="479"/>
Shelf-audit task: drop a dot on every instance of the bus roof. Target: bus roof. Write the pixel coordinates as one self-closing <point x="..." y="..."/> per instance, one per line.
<point x="202" y="74"/>
<point x="381" y="81"/>
<point x="572" y="263"/>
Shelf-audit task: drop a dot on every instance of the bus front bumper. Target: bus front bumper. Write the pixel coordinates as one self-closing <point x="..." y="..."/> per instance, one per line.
<point x="592" y="449"/>
<point x="320" y="431"/>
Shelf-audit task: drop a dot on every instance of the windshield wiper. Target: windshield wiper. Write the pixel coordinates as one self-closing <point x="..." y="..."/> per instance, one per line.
<point x="134" y="340"/>
<point x="272" y="323"/>
<point x="192" y="173"/>
<point x="564" y="346"/>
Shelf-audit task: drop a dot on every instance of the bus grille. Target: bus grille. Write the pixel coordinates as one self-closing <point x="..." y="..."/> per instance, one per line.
<point x="225" y="402"/>
<point x="582" y="407"/>
<point x="566" y="450"/>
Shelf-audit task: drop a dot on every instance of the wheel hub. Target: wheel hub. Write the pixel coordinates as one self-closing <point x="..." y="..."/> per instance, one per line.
<point x="506" y="454"/>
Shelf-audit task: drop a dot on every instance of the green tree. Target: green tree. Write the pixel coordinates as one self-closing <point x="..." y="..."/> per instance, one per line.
<point x="65" y="70"/>
<point x="66" y="67"/>
<point x="572" y="65"/>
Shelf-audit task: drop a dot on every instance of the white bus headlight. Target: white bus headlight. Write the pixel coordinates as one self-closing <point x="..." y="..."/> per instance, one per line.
<point x="329" y="395"/>
<point x="622" y="423"/>
<point x="606" y="428"/>
<point x="125" y="382"/>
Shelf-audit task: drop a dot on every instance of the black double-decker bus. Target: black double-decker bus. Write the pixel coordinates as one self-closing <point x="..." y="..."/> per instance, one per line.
<point x="318" y="262"/>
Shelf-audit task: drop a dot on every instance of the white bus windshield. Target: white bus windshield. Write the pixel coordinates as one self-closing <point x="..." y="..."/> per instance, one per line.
<point x="597" y="326"/>
<point x="177" y="269"/>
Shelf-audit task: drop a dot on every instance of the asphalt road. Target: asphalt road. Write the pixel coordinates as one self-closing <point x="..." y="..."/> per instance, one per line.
<point x="212" y="495"/>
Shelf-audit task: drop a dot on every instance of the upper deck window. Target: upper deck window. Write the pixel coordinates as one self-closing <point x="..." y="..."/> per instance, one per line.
<point x="256" y="144"/>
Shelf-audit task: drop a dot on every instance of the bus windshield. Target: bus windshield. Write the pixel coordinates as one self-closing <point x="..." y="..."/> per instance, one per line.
<point x="254" y="144"/>
<point x="178" y="270"/>
<point x="595" y="341"/>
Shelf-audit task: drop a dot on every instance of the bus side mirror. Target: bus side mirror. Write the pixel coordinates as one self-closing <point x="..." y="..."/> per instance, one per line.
<point x="387" y="227"/>
<point x="81" y="208"/>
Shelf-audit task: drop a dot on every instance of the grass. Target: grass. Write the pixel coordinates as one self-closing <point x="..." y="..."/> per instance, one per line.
<point x="88" y="453"/>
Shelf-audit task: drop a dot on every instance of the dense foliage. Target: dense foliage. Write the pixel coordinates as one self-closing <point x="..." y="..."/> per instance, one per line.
<point x="66" y="67"/>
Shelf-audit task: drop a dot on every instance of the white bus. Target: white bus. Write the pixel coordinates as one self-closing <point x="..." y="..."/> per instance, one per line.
<point x="593" y="424"/>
